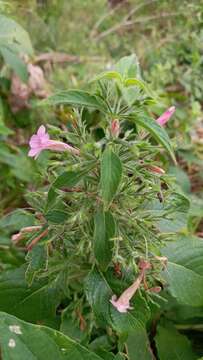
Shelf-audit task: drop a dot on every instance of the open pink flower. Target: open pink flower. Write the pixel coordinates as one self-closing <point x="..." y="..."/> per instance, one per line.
<point x="41" y="141"/>
<point x="162" y="120"/>
<point x="122" y="304"/>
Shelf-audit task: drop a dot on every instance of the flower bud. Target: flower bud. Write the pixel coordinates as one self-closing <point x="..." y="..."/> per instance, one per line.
<point x="155" y="289"/>
<point x="115" y="128"/>
<point x="162" y="120"/>
<point x="155" y="169"/>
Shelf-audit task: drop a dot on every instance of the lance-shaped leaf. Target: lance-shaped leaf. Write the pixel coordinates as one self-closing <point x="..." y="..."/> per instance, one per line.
<point x="158" y="132"/>
<point x="76" y="98"/>
<point x="104" y="230"/>
<point x="111" y="172"/>
<point x="22" y="341"/>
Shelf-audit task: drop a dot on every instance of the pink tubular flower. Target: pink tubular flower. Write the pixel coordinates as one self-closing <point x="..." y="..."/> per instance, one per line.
<point x="162" y="120"/>
<point x="41" y="141"/>
<point x="122" y="304"/>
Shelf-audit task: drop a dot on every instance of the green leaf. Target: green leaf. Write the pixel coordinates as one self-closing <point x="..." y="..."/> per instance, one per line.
<point x="119" y="356"/>
<point x="181" y="178"/>
<point x="56" y="216"/>
<point x="22" y="341"/>
<point x="111" y="173"/>
<point x="184" y="284"/>
<point x="14" y="61"/>
<point x="14" y="37"/>
<point x="158" y="132"/>
<point x="99" y="294"/>
<point x="184" y="273"/>
<point x="128" y="66"/>
<point x="14" y="41"/>
<point x="37" y="259"/>
<point x="187" y="252"/>
<point x="70" y="326"/>
<point x="17" y="219"/>
<point x="138" y="346"/>
<point x="76" y="98"/>
<point x="177" y="223"/>
<point x="103" y="232"/>
<point x="37" y="303"/>
<point x="66" y="179"/>
<point x="20" y="165"/>
<point x="108" y="75"/>
<point x="172" y="345"/>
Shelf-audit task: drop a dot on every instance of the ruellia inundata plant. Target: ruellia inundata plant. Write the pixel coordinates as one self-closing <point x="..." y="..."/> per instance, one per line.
<point x="106" y="195"/>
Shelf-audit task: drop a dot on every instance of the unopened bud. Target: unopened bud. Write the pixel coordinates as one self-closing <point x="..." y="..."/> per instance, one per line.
<point x="144" y="265"/>
<point x="155" y="289"/>
<point x="155" y="169"/>
<point x="162" y="120"/>
<point x="115" y="128"/>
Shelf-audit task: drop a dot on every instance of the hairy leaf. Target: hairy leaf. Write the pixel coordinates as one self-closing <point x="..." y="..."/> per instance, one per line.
<point x="158" y="132"/>
<point x="76" y="98"/>
<point x="103" y="232"/>
<point x="111" y="172"/>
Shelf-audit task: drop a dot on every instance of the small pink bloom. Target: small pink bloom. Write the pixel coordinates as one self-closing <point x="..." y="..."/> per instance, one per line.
<point x="122" y="304"/>
<point x="115" y="128"/>
<point x="41" y="141"/>
<point x="162" y="120"/>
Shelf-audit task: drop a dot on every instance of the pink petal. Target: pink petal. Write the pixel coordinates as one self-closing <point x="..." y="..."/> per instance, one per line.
<point x="121" y="307"/>
<point x="41" y="131"/>
<point x="44" y="138"/>
<point x="34" y="152"/>
<point x="60" y="146"/>
<point x="34" y="141"/>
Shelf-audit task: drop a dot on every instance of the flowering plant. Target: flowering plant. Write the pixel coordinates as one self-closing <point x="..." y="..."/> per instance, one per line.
<point x="96" y="227"/>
